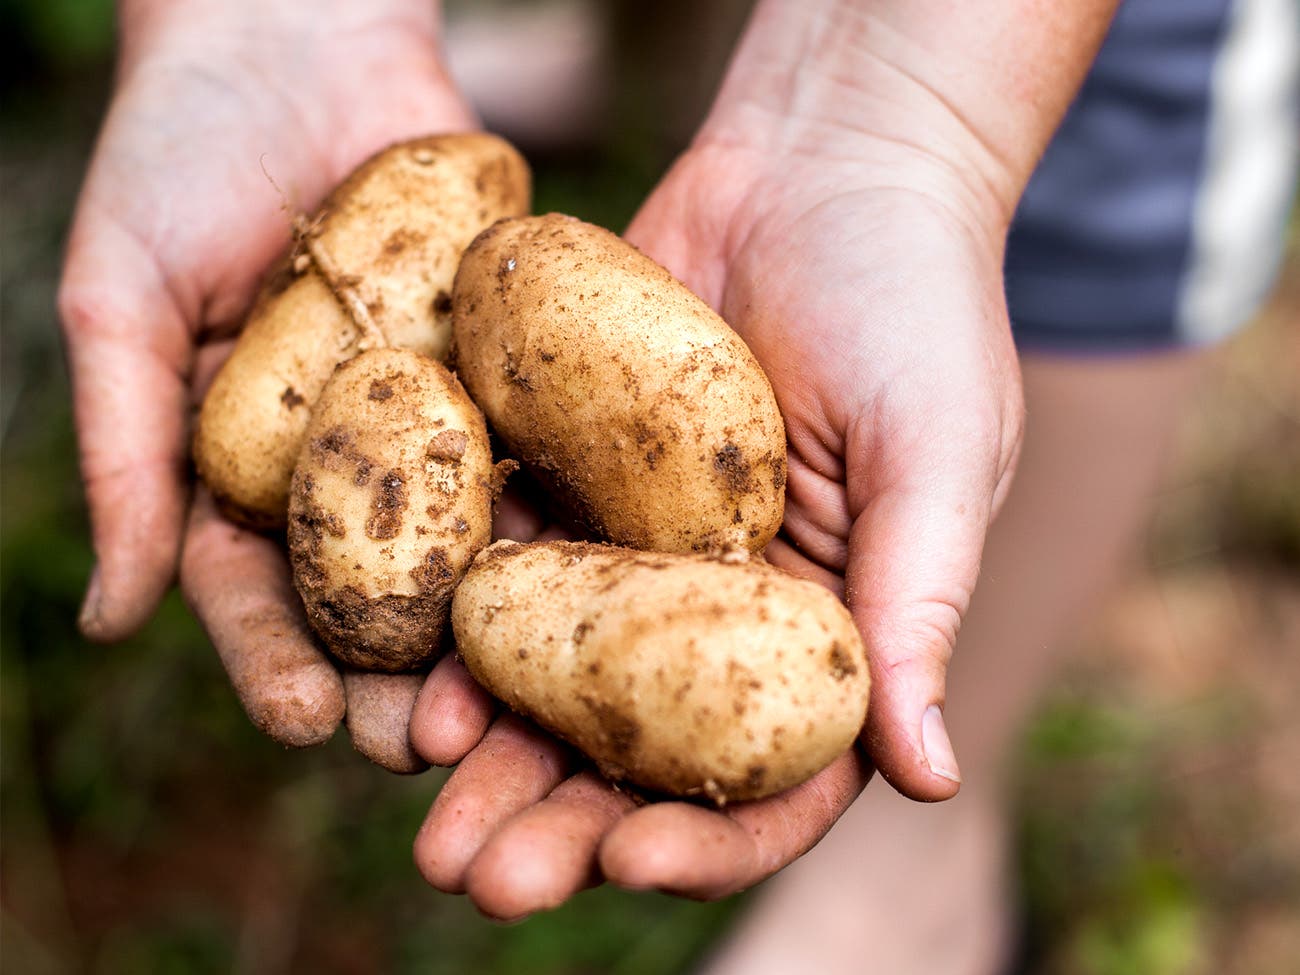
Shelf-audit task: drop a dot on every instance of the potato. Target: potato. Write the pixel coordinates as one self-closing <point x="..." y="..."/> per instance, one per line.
<point x="374" y="268"/>
<point x="680" y="673"/>
<point x="636" y="405"/>
<point x="391" y="499"/>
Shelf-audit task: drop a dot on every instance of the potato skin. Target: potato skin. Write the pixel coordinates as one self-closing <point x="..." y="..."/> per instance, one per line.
<point x="391" y="499"/>
<point x="681" y="673"/>
<point x="641" y="410"/>
<point x="394" y="231"/>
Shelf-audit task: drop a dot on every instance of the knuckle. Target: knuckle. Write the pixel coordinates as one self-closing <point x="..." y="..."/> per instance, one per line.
<point x="926" y="638"/>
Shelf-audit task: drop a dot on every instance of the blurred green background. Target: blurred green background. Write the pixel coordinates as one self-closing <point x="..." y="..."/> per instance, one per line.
<point x="148" y="828"/>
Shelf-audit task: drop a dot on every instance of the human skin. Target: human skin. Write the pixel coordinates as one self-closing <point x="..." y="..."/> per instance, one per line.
<point x="845" y="207"/>
<point x="176" y="223"/>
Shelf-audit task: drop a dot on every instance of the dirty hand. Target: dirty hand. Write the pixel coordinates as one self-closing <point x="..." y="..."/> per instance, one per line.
<point x="175" y="224"/>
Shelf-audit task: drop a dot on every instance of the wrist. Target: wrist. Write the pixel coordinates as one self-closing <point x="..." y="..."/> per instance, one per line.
<point x="957" y="101"/>
<point x="195" y="28"/>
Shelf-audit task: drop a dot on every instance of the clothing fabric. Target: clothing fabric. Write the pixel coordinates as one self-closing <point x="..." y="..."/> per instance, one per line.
<point x="1157" y="217"/>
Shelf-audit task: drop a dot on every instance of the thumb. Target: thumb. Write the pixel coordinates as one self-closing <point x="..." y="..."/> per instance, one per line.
<point x="914" y="555"/>
<point x="127" y="351"/>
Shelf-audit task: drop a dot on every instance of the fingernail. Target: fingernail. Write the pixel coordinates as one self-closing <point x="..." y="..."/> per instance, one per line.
<point x="938" y="749"/>
<point x="88" y="618"/>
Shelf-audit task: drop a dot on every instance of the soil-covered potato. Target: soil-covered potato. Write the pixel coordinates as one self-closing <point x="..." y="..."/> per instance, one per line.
<point x="680" y="673"/>
<point x="373" y="268"/>
<point x="635" y="404"/>
<point x="391" y="499"/>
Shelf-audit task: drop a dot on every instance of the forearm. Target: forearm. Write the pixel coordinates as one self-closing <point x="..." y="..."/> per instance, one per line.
<point x="978" y="87"/>
<point x="143" y="18"/>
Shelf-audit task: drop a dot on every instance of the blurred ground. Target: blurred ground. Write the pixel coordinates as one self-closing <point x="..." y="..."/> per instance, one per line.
<point x="1160" y="787"/>
<point x="147" y="827"/>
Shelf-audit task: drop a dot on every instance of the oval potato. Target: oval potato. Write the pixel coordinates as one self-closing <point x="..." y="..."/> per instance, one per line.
<point x="383" y="247"/>
<point x="391" y="499"/>
<point x="641" y="410"/>
<point x="680" y="673"/>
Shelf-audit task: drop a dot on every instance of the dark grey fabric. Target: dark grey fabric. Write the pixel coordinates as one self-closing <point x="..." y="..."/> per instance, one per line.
<point x="1101" y="240"/>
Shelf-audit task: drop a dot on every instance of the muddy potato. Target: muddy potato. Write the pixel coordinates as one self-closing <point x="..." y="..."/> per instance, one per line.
<point x="640" y="409"/>
<point x="391" y="499"/>
<point x="373" y="268"/>
<point x="680" y="673"/>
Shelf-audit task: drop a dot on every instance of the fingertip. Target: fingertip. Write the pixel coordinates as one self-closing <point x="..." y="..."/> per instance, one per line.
<point x="435" y="857"/>
<point x="451" y="714"/>
<point x="127" y="585"/>
<point x="547" y="853"/>
<point x="378" y="718"/>
<point x="513" y="767"/>
<point x="509" y="884"/>
<point x="917" y="757"/>
<point x="632" y="869"/>
<point x="681" y="849"/>
<point x="300" y="708"/>
<point x="238" y="585"/>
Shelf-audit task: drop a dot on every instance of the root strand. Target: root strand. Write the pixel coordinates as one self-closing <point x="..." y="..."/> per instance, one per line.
<point x="342" y="286"/>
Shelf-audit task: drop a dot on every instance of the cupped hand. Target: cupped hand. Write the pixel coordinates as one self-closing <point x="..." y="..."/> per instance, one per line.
<point x="176" y="222"/>
<point x="875" y="307"/>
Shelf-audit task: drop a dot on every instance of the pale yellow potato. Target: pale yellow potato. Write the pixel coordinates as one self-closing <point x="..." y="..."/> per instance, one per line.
<point x="680" y="673"/>
<point x="373" y="268"/>
<point x="637" y="406"/>
<point x="391" y="499"/>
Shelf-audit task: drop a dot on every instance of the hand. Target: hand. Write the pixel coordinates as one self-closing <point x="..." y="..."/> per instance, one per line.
<point x="845" y="207"/>
<point x="175" y="225"/>
<point x="876" y="311"/>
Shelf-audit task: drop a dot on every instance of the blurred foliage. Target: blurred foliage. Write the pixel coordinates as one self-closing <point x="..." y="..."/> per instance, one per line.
<point x="1097" y="883"/>
<point x="52" y="36"/>
<point x="1152" y="834"/>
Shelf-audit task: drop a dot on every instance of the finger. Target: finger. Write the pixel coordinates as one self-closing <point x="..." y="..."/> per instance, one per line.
<point x="451" y="714"/>
<point x="379" y="710"/>
<point x="702" y="853"/>
<point x="238" y="585"/>
<point x="547" y="853"/>
<point x="914" y="555"/>
<point x="128" y="354"/>
<point x="513" y="767"/>
<point x="785" y="556"/>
